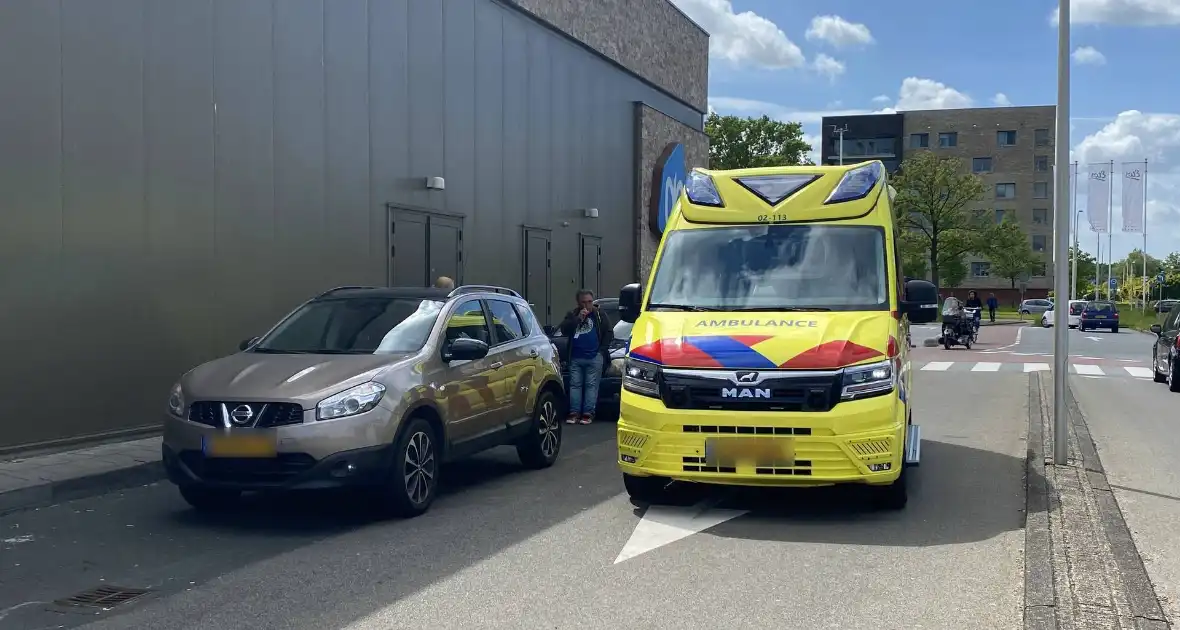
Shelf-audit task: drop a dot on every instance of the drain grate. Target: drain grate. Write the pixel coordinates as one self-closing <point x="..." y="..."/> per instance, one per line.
<point x="103" y="597"/>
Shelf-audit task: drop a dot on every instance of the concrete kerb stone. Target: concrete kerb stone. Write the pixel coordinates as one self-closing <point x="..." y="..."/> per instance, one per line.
<point x="80" y="487"/>
<point x="1040" y="611"/>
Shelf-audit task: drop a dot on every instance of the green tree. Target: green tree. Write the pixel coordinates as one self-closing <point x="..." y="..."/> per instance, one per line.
<point x="934" y="202"/>
<point x="1087" y="267"/>
<point x="915" y="263"/>
<point x="1010" y="253"/>
<point x="736" y="142"/>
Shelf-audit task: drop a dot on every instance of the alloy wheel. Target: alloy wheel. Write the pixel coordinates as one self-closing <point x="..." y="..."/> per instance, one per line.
<point x="420" y="467"/>
<point x="548" y="428"/>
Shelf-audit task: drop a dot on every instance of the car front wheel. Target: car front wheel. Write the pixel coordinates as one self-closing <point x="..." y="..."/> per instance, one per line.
<point x="645" y="489"/>
<point x="413" y="477"/>
<point x="1173" y="382"/>
<point x="539" y="449"/>
<point x="1160" y="377"/>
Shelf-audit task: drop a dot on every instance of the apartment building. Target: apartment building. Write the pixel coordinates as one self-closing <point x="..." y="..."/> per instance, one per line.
<point x="1010" y="148"/>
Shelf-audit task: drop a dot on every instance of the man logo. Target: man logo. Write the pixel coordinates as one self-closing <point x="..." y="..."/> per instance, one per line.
<point x="745" y="392"/>
<point x="747" y="377"/>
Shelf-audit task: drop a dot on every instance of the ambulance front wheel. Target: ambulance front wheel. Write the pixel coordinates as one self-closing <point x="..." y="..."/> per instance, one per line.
<point x="645" y="489"/>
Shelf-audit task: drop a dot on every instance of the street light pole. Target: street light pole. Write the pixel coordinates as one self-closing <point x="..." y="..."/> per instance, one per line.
<point x="1061" y="245"/>
<point x="841" y="131"/>
<point x="1073" y="276"/>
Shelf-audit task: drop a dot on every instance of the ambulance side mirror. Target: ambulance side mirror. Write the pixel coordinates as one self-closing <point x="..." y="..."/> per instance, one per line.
<point x="921" y="302"/>
<point x="630" y="297"/>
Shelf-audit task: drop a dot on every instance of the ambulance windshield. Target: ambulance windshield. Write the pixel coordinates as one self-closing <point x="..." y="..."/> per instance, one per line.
<point x="773" y="267"/>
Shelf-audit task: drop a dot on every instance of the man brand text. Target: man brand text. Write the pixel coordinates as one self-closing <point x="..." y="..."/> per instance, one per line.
<point x="757" y="323"/>
<point x="745" y="392"/>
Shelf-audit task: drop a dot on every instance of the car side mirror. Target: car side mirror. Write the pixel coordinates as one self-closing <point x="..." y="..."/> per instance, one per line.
<point x="629" y="298"/>
<point x="1157" y="329"/>
<point x="464" y="349"/>
<point x="247" y="343"/>
<point x="921" y="302"/>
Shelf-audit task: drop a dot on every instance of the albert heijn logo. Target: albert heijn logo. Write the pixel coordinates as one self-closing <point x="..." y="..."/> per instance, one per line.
<point x="667" y="181"/>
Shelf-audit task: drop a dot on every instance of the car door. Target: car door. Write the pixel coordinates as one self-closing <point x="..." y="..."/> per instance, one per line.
<point x="1167" y="340"/>
<point x="514" y="357"/>
<point x="473" y="390"/>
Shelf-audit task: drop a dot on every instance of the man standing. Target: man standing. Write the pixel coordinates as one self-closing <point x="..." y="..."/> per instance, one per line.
<point x="589" y="332"/>
<point x="992" y="305"/>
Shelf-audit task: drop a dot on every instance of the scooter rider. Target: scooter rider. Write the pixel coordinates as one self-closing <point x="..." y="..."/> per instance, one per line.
<point x="974" y="302"/>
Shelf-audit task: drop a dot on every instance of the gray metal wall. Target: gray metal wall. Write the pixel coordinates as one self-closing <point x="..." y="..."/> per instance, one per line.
<point x="176" y="174"/>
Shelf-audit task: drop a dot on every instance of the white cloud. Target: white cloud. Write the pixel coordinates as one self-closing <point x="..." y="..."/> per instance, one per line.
<point x="1122" y="12"/>
<point x="918" y="93"/>
<point x="838" y="32"/>
<point x="882" y="99"/>
<point x="1135" y="136"/>
<point x="1001" y="100"/>
<point x="828" y="67"/>
<point x="1089" y="56"/>
<point x="743" y="38"/>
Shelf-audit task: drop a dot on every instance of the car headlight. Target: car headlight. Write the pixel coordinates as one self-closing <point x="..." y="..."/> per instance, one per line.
<point x="641" y="377"/>
<point x="176" y="401"/>
<point x="350" y="402"/>
<point x="616" y="367"/>
<point x="866" y="381"/>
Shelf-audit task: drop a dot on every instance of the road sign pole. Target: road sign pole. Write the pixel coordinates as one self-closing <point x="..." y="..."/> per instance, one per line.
<point x="1061" y="245"/>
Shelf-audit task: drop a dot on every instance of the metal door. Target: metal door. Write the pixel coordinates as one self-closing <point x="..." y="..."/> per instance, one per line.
<point x="537" y="269"/>
<point x="591" y="263"/>
<point x="424" y="246"/>
<point x="446" y="249"/>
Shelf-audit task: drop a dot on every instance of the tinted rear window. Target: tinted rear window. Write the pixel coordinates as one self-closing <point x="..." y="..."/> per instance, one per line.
<point x="1099" y="306"/>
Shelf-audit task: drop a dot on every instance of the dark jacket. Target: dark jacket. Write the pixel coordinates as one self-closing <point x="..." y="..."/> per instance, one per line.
<point x="602" y="326"/>
<point x="993" y="303"/>
<point x="973" y="303"/>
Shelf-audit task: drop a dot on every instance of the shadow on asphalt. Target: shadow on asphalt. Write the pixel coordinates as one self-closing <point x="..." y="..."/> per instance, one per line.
<point x="958" y="495"/>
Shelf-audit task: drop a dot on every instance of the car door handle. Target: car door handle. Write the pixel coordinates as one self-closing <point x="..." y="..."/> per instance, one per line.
<point x="497" y="365"/>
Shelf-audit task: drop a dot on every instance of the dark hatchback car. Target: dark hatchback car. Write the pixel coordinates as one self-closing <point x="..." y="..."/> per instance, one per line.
<point x="1100" y="314"/>
<point x="1165" y="353"/>
<point x="611" y="382"/>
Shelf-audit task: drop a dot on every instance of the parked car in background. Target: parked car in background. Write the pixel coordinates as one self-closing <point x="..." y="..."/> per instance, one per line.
<point x="370" y="388"/>
<point x="1100" y="314"/>
<point x="1075" y="314"/>
<point x="1165" y="352"/>
<point x="612" y="369"/>
<point x="1035" y="306"/>
<point x="1163" y="306"/>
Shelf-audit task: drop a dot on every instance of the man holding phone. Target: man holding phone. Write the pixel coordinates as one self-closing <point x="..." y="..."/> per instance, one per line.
<point x="590" y="334"/>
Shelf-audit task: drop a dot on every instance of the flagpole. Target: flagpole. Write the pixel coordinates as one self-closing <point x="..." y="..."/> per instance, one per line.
<point x="1110" y="234"/>
<point x="1073" y="216"/>
<point x="1144" y="233"/>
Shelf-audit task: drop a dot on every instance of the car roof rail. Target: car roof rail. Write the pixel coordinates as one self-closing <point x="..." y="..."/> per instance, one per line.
<point x="476" y="288"/>
<point x="343" y="288"/>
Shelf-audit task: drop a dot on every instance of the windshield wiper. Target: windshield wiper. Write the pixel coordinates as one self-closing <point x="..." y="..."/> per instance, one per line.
<point x="274" y="351"/>
<point x="780" y="309"/>
<point x="683" y="307"/>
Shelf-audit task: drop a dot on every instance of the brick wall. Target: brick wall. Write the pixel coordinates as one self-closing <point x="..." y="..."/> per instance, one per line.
<point x="655" y="132"/>
<point x="651" y="38"/>
<point x="976" y="131"/>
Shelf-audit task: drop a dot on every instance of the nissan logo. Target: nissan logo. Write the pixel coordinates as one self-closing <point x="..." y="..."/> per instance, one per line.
<point x="241" y="415"/>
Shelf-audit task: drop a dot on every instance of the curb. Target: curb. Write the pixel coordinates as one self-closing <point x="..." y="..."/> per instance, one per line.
<point x="54" y="492"/>
<point x="1040" y="610"/>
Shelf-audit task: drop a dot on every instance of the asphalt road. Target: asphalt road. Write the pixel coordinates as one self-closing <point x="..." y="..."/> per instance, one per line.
<point x="563" y="548"/>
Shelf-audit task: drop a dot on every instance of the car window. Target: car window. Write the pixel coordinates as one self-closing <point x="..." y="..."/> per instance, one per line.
<point x="528" y="321"/>
<point x="468" y="321"/>
<point x="506" y="324"/>
<point x="1172" y="321"/>
<point x="354" y="325"/>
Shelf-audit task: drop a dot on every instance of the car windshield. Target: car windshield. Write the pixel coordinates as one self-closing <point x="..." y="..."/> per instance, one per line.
<point x="1099" y="306"/>
<point x="772" y="268"/>
<point x="354" y="325"/>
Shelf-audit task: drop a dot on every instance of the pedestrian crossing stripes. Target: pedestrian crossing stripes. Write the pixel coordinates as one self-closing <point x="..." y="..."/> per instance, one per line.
<point x="1081" y="369"/>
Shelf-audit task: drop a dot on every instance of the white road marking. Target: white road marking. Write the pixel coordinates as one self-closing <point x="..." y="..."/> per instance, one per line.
<point x="1094" y="338"/>
<point x="1138" y="372"/>
<point x="1088" y="370"/>
<point x="1036" y="367"/>
<point x="662" y="525"/>
<point x="986" y="367"/>
<point x="937" y="366"/>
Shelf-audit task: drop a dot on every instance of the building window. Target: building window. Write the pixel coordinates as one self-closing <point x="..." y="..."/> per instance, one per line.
<point x="947" y="140"/>
<point x="1040" y="270"/>
<point x="999" y="216"/>
<point x="1038" y="242"/>
<point x="1041" y="163"/>
<point x="1042" y="137"/>
<point x="981" y="269"/>
<point x="981" y="165"/>
<point x="1006" y="138"/>
<point x="1005" y="191"/>
<point x="1041" y="190"/>
<point x="919" y="140"/>
<point x="1040" y="216"/>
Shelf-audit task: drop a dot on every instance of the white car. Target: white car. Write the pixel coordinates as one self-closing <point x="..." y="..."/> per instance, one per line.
<point x="1075" y="314"/>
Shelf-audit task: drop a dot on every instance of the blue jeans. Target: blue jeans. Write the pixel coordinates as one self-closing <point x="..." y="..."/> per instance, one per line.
<point x="584" y="377"/>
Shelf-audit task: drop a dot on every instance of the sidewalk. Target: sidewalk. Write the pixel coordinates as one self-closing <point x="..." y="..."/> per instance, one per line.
<point x="40" y="480"/>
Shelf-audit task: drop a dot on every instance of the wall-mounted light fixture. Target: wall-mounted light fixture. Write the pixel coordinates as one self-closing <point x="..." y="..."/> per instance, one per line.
<point x="590" y="213"/>
<point x="436" y="183"/>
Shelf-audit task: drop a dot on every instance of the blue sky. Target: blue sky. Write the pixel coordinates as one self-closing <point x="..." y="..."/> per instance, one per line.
<point x="801" y="59"/>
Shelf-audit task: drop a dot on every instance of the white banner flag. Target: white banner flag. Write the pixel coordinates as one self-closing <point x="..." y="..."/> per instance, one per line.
<point x="1098" y="198"/>
<point x="1133" y="197"/>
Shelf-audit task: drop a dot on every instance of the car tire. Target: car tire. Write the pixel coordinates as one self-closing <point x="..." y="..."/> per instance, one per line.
<point x="1173" y="382"/>
<point x="413" y="475"/>
<point x="543" y="444"/>
<point x="645" y="489"/>
<point x="893" y="496"/>
<point x="1160" y="377"/>
<point x="1115" y="329"/>
<point x="210" y="499"/>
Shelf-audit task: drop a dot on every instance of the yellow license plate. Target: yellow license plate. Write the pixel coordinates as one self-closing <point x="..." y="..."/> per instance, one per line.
<point x="239" y="445"/>
<point x="749" y="451"/>
<point x="1099" y="317"/>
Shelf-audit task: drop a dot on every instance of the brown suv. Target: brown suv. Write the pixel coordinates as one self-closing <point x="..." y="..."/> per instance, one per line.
<point x="371" y="387"/>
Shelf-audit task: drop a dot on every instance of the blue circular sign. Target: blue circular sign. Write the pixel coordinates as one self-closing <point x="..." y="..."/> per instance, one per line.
<point x="1114" y="283"/>
<point x="667" y="183"/>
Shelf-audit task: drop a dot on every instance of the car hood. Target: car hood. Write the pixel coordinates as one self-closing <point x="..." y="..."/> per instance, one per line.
<point x="306" y="378"/>
<point x="752" y="341"/>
